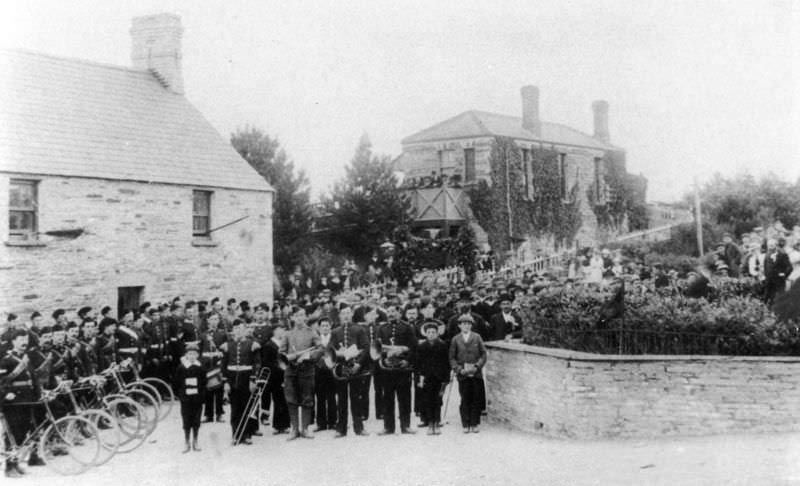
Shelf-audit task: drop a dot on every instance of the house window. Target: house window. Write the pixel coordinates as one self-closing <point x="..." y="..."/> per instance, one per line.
<point x="22" y="210"/>
<point x="562" y="175"/>
<point x="599" y="181"/>
<point x="527" y="165"/>
<point x="201" y="213"/>
<point x="469" y="165"/>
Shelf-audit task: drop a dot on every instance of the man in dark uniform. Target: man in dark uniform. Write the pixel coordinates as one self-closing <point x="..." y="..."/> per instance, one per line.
<point x="371" y="324"/>
<point x="261" y="333"/>
<point x="18" y="389"/>
<point x="302" y="349"/>
<point x="324" y="384"/>
<point x="269" y="358"/>
<point x="398" y="341"/>
<point x="157" y="338"/>
<point x="241" y="362"/>
<point x="210" y="342"/>
<point x="349" y="346"/>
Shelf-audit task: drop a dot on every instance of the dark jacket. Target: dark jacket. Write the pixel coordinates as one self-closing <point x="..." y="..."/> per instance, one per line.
<point x="432" y="360"/>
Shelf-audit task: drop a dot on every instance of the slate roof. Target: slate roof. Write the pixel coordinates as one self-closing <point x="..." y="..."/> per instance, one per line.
<point x="72" y="117"/>
<point x="481" y="124"/>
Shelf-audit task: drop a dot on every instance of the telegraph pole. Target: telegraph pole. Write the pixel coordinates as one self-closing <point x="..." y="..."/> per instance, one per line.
<point x="698" y="218"/>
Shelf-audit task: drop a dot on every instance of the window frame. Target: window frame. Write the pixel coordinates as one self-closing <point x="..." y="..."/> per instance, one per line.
<point x="207" y="215"/>
<point x="27" y="234"/>
<point x="562" y="176"/>
<point x="470" y="170"/>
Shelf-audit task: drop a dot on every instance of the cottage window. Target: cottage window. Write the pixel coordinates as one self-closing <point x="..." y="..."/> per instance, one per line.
<point x="469" y="165"/>
<point x="22" y="210"/>
<point x="562" y="173"/>
<point x="201" y="213"/>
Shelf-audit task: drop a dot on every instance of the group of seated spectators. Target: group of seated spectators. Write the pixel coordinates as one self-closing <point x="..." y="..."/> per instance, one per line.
<point x="432" y="181"/>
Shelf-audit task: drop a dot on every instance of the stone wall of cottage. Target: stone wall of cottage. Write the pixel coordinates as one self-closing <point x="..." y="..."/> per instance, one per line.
<point x="135" y="235"/>
<point x="579" y="395"/>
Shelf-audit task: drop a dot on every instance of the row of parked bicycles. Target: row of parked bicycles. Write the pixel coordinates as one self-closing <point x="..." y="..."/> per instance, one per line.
<point x="85" y="423"/>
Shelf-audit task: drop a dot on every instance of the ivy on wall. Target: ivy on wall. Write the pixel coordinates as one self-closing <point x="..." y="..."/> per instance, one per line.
<point x="624" y="199"/>
<point x="547" y="213"/>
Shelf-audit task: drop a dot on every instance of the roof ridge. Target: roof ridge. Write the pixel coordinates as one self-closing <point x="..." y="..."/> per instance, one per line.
<point x="75" y="60"/>
<point x="437" y="125"/>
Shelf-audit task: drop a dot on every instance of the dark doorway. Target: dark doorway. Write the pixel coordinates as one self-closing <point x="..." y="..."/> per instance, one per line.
<point x="128" y="298"/>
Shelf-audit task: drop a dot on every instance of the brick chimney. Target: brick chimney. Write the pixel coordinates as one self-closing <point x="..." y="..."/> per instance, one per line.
<point x="600" y="110"/>
<point x="530" y="110"/>
<point x="156" y="46"/>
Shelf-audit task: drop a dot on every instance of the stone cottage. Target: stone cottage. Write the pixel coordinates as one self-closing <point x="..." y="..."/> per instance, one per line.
<point x="115" y="190"/>
<point x="441" y="162"/>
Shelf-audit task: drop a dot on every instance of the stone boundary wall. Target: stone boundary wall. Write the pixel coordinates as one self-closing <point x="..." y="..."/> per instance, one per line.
<point x="571" y="394"/>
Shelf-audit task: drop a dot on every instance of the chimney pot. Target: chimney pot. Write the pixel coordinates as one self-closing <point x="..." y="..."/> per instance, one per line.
<point x="530" y="110"/>
<point x="600" y="110"/>
<point x="156" y="46"/>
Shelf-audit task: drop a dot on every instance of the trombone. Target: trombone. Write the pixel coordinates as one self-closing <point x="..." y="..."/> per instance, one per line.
<point x="253" y="403"/>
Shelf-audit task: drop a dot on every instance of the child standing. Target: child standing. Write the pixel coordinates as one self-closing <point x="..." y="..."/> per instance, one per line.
<point x="190" y="383"/>
<point x="433" y="367"/>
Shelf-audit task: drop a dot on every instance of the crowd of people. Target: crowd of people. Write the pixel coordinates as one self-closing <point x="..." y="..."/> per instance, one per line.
<point x="321" y="360"/>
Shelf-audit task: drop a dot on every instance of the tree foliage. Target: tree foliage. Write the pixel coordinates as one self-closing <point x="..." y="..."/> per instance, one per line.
<point x="740" y="203"/>
<point x="291" y="216"/>
<point x="548" y="213"/>
<point x="365" y="206"/>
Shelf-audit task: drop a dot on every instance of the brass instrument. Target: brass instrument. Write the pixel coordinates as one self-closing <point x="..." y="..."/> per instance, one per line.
<point x="394" y="358"/>
<point x="346" y="366"/>
<point x="284" y="362"/>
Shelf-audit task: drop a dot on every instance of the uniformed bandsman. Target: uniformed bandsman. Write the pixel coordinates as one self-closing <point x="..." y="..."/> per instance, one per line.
<point x="399" y="341"/>
<point x="241" y="361"/>
<point x="349" y="346"/>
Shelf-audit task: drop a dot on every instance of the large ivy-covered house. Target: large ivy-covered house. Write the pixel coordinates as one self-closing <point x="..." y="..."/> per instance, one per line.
<point x="523" y="184"/>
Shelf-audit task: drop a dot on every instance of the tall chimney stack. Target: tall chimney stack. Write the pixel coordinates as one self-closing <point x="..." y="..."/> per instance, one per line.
<point x="530" y="110"/>
<point x="156" y="46"/>
<point x="600" y="109"/>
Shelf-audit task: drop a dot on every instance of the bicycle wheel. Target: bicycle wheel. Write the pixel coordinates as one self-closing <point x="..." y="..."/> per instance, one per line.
<point x="165" y="392"/>
<point x="152" y="391"/>
<point x="149" y="405"/>
<point x="130" y="417"/>
<point x="70" y="445"/>
<point x="108" y="431"/>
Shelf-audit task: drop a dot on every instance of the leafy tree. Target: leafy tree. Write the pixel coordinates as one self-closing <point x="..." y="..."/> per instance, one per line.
<point x="365" y="206"/>
<point x="741" y="202"/>
<point x="291" y="216"/>
<point x="466" y="250"/>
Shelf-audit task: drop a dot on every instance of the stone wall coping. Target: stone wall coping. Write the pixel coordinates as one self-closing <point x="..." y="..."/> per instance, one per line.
<point x="566" y="354"/>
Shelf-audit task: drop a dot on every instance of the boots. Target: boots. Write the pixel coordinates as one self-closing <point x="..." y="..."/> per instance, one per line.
<point x="293" y="418"/>
<point x="306" y="421"/>
<point x="13" y="470"/>
<point x="195" y="447"/>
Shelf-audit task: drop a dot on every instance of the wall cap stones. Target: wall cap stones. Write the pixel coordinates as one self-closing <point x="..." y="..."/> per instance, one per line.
<point x="581" y="356"/>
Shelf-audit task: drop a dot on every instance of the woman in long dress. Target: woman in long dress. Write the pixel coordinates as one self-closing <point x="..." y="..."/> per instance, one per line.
<point x="594" y="272"/>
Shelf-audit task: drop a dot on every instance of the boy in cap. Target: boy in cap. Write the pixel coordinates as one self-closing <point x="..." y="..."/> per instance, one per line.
<point x="434" y="369"/>
<point x="190" y="383"/>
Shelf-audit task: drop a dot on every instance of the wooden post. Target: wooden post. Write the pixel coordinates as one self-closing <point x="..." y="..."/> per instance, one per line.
<point x="698" y="218"/>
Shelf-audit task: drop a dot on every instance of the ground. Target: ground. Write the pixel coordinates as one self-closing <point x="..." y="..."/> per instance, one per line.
<point x="494" y="456"/>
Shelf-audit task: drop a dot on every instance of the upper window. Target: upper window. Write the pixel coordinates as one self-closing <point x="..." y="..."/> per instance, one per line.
<point x="469" y="165"/>
<point x="201" y="213"/>
<point x="599" y="181"/>
<point x="527" y="165"/>
<point x="22" y="210"/>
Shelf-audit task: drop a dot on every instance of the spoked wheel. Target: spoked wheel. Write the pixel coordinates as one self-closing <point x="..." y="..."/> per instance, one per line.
<point x="132" y="421"/>
<point x="108" y="431"/>
<point x="152" y="390"/>
<point x="149" y="405"/>
<point x="165" y="393"/>
<point x="70" y="445"/>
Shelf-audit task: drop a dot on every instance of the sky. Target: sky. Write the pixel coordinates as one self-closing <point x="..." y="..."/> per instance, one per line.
<point x="694" y="87"/>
